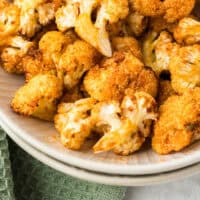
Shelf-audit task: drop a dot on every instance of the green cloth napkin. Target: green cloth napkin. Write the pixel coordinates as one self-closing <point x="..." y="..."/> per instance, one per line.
<point x="33" y="180"/>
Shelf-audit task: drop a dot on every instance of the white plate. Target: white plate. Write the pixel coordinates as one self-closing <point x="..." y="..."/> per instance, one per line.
<point x="104" y="178"/>
<point x="42" y="136"/>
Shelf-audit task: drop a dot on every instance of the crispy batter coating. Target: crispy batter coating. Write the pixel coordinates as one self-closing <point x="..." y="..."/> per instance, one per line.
<point x="178" y="122"/>
<point x="95" y="33"/>
<point x="9" y="21"/>
<point x="35" y="13"/>
<point x="127" y="44"/>
<point x="13" y="54"/>
<point x="185" y="68"/>
<point x="52" y="51"/>
<point x="33" y="64"/>
<point x="38" y="97"/>
<point x="125" y="125"/>
<point x="150" y="8"/>
<point x="74" y="122"/>
<point x="187" y="31"/>
<point x="158" y="51"/>
<point x="165" y="91"/>
<point x="177" y="9"/>
<point x="78" y="58"/>
<point x="110" y="80"/>
<point x="137" y="23"/>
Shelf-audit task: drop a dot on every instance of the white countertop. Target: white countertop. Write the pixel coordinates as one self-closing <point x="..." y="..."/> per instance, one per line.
<point x="188" y="189"/>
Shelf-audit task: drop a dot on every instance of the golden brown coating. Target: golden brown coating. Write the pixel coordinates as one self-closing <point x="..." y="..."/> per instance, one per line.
<point x="34" y="64"/>
<point x="125" y="126"/>
<point x="187" y="31"/>
<point x="146" y="81"/>
<point x="185" y="68"/>
<point x="158" y="50"/>
<point x="38" y="97"/>
<point x="9" y="21"/>
<point x="177" y="9"/>
<point x="150" y="8"/>
<point x="165" y="91"/>
<point x="74" y="122"/>
<point x="178" y="122"/>
<point x="110" y="80"/>
<point x="77" y="58"/>
<point x="127" y="44"/>
<point x="53" y="43"/>
<point x="137" y="23"/>
<point x="13" y="54"/>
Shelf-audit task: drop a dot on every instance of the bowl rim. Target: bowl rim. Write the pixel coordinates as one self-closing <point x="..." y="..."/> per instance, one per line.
<point x="97" y="166"/>
<point x="118" y="180"/>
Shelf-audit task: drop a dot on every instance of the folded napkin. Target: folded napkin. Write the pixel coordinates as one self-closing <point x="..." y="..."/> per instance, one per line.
<point x="36" y="181"/>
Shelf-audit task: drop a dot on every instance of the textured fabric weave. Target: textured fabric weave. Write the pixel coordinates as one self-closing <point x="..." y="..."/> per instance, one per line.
<point x="36" y="181"/>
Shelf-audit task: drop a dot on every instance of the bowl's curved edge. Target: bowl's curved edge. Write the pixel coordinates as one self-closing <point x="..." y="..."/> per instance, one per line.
<point x="103" y="178"/>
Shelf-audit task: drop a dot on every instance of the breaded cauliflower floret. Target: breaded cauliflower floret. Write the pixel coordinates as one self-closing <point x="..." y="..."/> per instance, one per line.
<point x="53" y="43"/>
<point x="178" y="123"/>
<point x="150" y="8"/>
<point x="35" y="13"/>
<point x="74" y="122"/>
<point x="78" y="58"/>
<point x="33" y="64"/>
<point x="137" y="23"/>
<point x="158" y="51"/>
<point x="38" y="97"/>
<point x="187" y="31"/>
<point x="9" y="20"/>
<point x="165" y="91"/>
<point x="185" y="68"/>
<point x="126" y="126"/>
<point x="110" y="80"/>
<point x="177" y="9"/>
<point x="78" y="14"/>
<point x="127" y="44"/>
<point x="12" y="55"/>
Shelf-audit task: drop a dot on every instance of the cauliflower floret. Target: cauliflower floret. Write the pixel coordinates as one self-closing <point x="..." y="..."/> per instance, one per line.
<point x="35" y="13"/>
<point x="13" y="53"/>
<point x="33" y="64"/>
<point x="137" y="23"/>
<point x="125" y="127"/>
<point x="9" y="21"/>
<point x="165" y="91"/>
<point x="38" y="97"/>
<point x="74" y="122"/>
<point x="150" y="8"/>
<point x="52" y="51"/>
<point x="178" y="122"/>
<point x="187" y="31"/>
<point x="158" y="51"/>
<point x="78" y="58"/>
<point x="127" y="44"/>
<point x="114" y="75"/>
<point x="78" y="14"/>
<point x="185" y="68"/>
<point x="177" y="9"/>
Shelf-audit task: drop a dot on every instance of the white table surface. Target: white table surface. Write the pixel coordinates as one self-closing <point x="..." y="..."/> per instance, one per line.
<point x="188" y="189"/>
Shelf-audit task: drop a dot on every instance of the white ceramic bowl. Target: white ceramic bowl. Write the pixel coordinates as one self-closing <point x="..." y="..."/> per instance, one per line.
<point x="43" y="136"/>
<point x="120" y="180"/>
